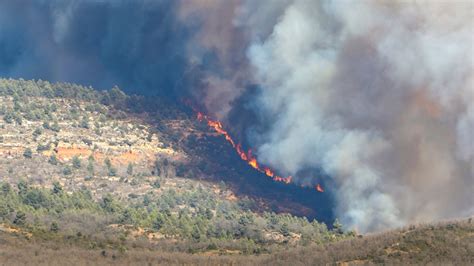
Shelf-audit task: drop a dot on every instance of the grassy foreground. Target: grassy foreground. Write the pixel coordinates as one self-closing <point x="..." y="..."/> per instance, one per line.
<point x="447" y="243"/>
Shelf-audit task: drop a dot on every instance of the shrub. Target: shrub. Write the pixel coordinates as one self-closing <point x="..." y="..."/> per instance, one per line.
<point x="67" y="170"/>
<point x="112" y="171"/>
<point x="20" y="218"/>
<point x="84" y="123"/>
<point x="57" y="188"/>
<point x="76" y="162"/>
<point x="54" y="227"/>
<point x="28" y="153"/>
<point x="130" y="169"/>
<point x="37" y="132"/>
<point x="6" y="188"/>
<point x="53" y="159"/>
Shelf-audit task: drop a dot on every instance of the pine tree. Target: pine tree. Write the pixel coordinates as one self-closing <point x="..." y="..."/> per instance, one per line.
<point x="53" y="159"/>
<point x="130" y="169"/>
<point x="57" y="188"/>
<point x="76" y="162"/>
<point x="28" y="153"/>
<point x="54" y="227"/>
<point x="337" y="226"/>
<point x="90" y="167"/>
<point x="22" y="187"/>
<point x="209" y="214"/>
<point x="284" y="230"/>
<point x="20" y="218"/>
<point x="6" y="188"/>
<point x="158" y="222"/>
<point x="67" y="170"/>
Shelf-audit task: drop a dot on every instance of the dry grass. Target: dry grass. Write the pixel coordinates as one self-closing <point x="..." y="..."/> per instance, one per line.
<point x="17" y="251"/>
<point x="447" y="243"/>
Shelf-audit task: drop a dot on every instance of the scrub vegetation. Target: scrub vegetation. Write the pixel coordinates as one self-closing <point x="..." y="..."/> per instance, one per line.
<point x="101" y="177"/>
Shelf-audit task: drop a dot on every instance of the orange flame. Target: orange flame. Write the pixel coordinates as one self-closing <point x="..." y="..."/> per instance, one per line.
<point x="242" y="154"/>
<point x="245" y="156"/>
<point x="319" y="188"/>
<point x="269" y="172"/>
<point x="253" y="162"/>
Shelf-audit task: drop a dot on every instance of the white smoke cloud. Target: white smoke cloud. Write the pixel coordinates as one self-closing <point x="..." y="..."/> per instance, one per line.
<point x="377" y="93"/>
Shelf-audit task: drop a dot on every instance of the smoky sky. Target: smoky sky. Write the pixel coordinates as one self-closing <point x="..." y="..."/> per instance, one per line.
<point x="374" y="97"/>
<point x="138" y="45"/>
<point x="380" y="95"/>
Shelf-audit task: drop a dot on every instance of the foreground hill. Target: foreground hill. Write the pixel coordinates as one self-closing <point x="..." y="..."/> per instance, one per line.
<point x="448" y="243"/>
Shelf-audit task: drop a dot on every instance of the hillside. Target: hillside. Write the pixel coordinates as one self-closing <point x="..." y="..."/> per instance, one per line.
<point x="82" y="165"/>
<point x="447" y="243"/>
<point x="110" y="178"/>
<point x="77" y="121"/>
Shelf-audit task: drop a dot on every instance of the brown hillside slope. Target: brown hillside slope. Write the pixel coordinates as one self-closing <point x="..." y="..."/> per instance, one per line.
<point x="448" y="243"/>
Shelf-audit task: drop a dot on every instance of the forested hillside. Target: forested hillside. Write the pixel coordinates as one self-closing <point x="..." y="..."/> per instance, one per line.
<point x="90" y="169"/>
<point x="102" y="177"/>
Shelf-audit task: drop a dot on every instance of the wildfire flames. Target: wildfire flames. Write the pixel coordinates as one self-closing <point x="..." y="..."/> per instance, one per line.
<point x="246" y="156"/>
<point x="319" y="188"/>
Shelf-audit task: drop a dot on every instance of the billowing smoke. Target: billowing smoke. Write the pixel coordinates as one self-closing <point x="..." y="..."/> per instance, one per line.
<point x="134" y="44"/>
<point x="376" y="95"/>
<point x="217" y="51"/>
<point x="380" y="95"/>
<point x="161" y="47"/>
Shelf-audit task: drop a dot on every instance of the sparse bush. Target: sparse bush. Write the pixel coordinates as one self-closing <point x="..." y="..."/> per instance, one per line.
<point x="284" y="230"/>
<point x="55" y="127"/>
<point x="37" y="132"/>
<point x="109" y="204"/>
<point x="158" y="222"/>
<point x="28" y="153"/>
<point x="6" y="188"/>
<point x="90" y="167"/>
<point x="54" y="227"/>
<point x="53" y="159"/>
<point x="107" y="162"/>
<point x="156" y="183"/>
<point x="67" y="170"/>
<point x="132" y="195"/>
<point x="57" y="188"/>
<point x="22" y="187"/>
<point x="8" y="118"/>
<point x="42" y="147"/>
<point x="76" y="162"/>
<point x="20" y="218"/>
<point x="112" y="171"/>
<point x="84" y="122"/>
<point x="130" y="169"/>
<point x="337" y="227"/>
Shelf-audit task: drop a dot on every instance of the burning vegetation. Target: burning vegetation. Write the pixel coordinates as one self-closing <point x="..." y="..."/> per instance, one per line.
<point x="246" y="156"/>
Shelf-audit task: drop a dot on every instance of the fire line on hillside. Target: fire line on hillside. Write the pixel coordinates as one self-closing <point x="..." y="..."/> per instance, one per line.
<point x="247" y="156"/>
